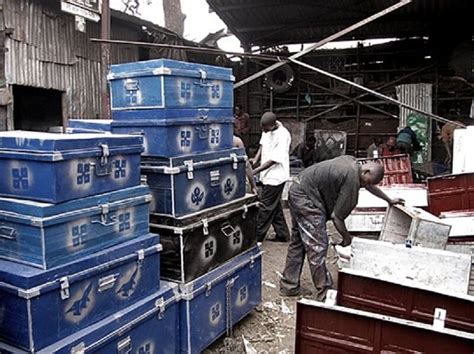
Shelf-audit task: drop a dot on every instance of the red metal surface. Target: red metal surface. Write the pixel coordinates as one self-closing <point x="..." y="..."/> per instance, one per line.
<point x="397" y="169"/>
<point x="400" y="301"/>
<point x="451" y="193"/>
<point x="338" y="330"/>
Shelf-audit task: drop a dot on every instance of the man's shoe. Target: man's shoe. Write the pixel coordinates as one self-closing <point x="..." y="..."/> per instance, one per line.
<point x="290" y="292"/>
<point x="278" y="240"/>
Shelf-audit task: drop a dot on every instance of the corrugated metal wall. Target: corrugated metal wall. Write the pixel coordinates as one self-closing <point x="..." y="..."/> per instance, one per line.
<point x="46" y="51"/>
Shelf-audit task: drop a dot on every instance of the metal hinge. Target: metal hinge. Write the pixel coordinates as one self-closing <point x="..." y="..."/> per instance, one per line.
<point x="439" y="318"/>
<point x="331" y="297"/>
<point x="235" y="161"/>
<point x="252" y="262"/>
<point x="205" y="227"/>
<point x="141" y="256"/>
<point x="189" y="165"/>
<point x="160" y="305"/>
<point x="64" y="282"/>
<point x="208" y="289"/>
<point x="203" y="74"/>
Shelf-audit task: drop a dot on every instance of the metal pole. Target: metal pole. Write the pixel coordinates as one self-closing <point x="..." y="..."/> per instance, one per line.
<point x="366" y="94"/>
<point x="375" y="93"/>
<point x="105" y="58"/>
<point x="325" y="41"/>
<point x="348" y="98"/>
<point x="246" y="54"/>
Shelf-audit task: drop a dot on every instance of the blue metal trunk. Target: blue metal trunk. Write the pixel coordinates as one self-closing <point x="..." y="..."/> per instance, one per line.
<point x="215" y="302"/>
<point x="168" y="138"/>
<point x="195" y="244"/>
<point x="76" y="126"/>
<point x="189" y="184"/>
<point x="48" y="235"/>
<point x="167" y="83"/>
<point x="59" y="167"/>
<point x="40" y="307"/>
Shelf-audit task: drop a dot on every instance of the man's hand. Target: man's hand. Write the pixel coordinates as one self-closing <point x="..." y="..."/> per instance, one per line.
<point x="252" y="161"/>
<point x="255" y="191"/>
<point x="346" y="241"/>
<point x="397" y="201"/>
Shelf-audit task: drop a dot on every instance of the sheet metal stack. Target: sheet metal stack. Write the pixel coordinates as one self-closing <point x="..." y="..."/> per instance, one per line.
<point x="78" y="264"/>
<point x="200" y="209"/>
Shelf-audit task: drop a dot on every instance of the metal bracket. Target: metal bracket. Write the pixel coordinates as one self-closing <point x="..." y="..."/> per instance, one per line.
<point x="246" y="211"/>
<point x="141" y="256"/>
<point x="105" y="154"/>
<point x="215" y="177"/>
<point x="8" y="233"/>
<point x="108" y="282"/>
<point x="205" y="227"/>
<point x="252" y="262"/>
<point x="79" y="349"/>
<point x="160" y="305"/>
<point x="439" y="318"/>
<point x="124" y="346"/>
<point x="235" y="161"/>
<point x="408" y="243"/>
<point x="208" y="289"/>
<point x="64" y="283"/>
<point x="331" y="297"/>
<point x="190" y="165"/>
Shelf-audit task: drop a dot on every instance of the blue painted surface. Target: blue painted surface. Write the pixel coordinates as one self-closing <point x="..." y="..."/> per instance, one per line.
<point x="37" y="313"/>
<point x="60" y="167"/>
<point x="167" y="138"/>
<point x="167" y="83"/>
<point x="48" y="235"/>
<point x="204" y="307"/>
<point x="76" y="126"/>
<point x="173" y="114"/>
<point x="216" y="178"/>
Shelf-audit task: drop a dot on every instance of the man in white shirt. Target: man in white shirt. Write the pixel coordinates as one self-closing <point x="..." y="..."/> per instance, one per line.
<point x="274" y="169"/>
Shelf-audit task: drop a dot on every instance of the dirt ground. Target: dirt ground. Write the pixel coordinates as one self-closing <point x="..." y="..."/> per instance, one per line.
<point x="271" y="327"/>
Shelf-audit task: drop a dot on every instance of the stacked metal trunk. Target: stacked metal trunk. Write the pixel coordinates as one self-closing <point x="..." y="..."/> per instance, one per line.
<point x="78" y="263"/>
<point x="199" y="207"/>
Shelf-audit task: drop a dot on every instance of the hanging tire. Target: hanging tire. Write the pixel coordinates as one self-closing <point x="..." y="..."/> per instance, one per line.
<point x="280" y="80"/>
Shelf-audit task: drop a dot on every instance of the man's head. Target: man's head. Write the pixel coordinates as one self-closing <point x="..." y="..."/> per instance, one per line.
<point x="268" y="122"/>
<point x="310" y="141"/>
<point x="391" y="143"/>
<point x="237" y="109"/>
<point x="371" y="173"/>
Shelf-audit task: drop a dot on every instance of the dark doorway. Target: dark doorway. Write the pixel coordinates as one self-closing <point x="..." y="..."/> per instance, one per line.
<point x="36" y="109"/>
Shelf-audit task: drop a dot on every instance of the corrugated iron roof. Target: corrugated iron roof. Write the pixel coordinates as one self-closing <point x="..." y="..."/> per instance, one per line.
<point x="271" y="22"/>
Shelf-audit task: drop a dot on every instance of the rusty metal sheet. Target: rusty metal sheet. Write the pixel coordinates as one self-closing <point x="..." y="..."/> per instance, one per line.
<point x="333" y="329"/>
<point x="397" y="169"/>
<point x="361" y="291"/>
<point x="451" y="193"/>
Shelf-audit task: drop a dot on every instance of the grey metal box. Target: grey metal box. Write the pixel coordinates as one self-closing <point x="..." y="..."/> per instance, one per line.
<point x="414" y="227"/>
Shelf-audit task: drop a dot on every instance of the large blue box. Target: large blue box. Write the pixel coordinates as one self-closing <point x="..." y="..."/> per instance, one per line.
<point x="169" y="138"/>
<point x="41" y="307"/>
<point x="76" y="126"/>
<point x="58" y="167"/>
<point x="194" y="245"/>
<point x="215" y="302"/>
<point x="165" y="83"/>
<point x="188" y="184"/>
<point x="47" y="235"/>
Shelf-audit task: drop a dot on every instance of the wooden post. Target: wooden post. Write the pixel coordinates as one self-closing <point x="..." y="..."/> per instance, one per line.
<point x="105" y="58"/>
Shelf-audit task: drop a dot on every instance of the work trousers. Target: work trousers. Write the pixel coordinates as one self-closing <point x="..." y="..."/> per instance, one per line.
<point x="309" y="237"/>
<point x="271" y="213"/>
